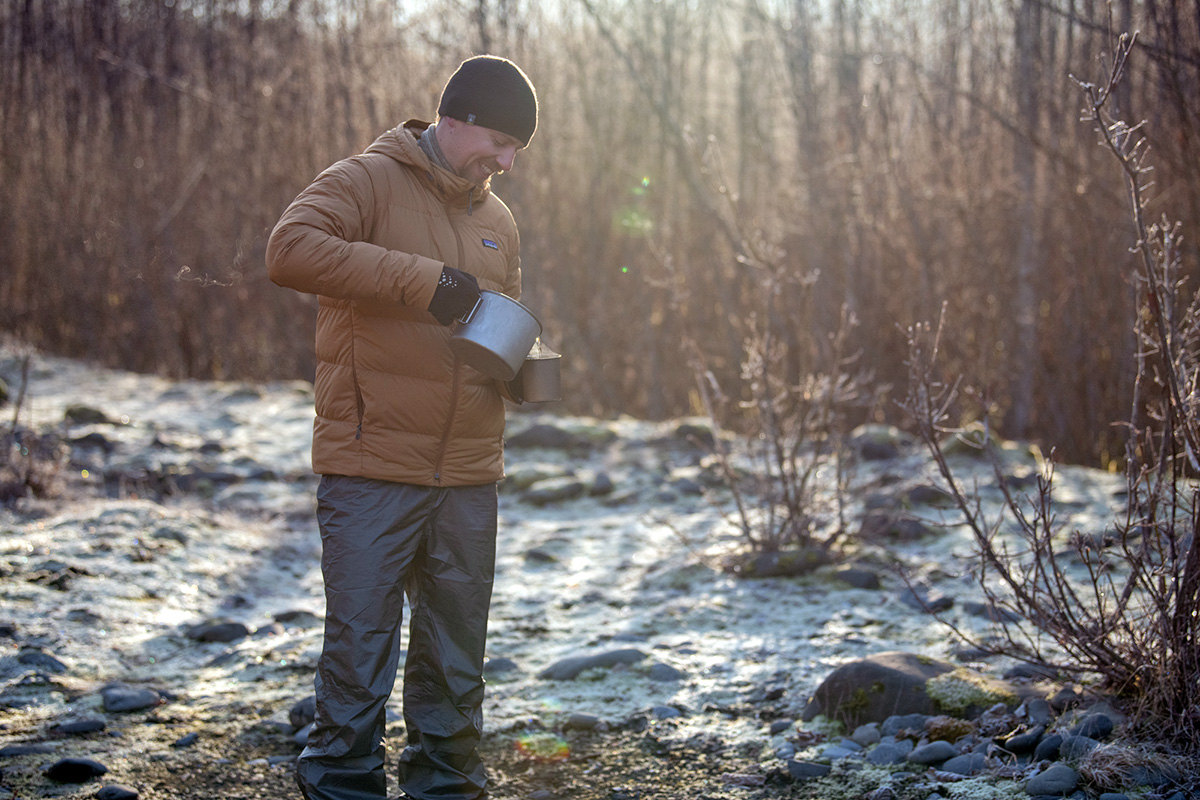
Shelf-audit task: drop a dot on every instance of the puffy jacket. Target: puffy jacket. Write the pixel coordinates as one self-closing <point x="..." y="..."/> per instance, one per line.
<point x="370" y="236"/>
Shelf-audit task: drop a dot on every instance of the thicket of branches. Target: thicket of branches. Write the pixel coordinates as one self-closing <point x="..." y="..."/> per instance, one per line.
<point x="1119" y="604"/>
<point x="903" y="154"/>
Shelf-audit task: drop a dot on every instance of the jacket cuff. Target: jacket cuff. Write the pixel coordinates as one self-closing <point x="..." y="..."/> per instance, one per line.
<point x="419" y="290"/>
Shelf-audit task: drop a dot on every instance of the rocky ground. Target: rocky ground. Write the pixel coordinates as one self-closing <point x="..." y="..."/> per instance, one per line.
<point x="162" y="605"/>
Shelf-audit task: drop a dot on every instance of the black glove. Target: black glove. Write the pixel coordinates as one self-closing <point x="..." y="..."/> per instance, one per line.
<point x="455" y="295"/>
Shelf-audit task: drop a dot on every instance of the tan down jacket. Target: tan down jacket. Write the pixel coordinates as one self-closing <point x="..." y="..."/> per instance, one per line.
<point x="370" y="237"/>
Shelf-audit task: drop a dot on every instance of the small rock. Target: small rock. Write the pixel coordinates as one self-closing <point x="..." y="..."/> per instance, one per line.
<point x="900" y="722"/>
<point x="836" y="752"/>
<point x="1037" y="711"/>
<point x="299" y="618"/>
<point x="891" y="526"/>
<point x="218" y="630"/>
<point x="665" y="673"/>
<point x="928" y="603"/>
<point x="1113" y="796"/>
<point x="1094" y="726"/>
<point x="78" y="727"/>
<point x="1057" y="779"/>
<point x="41" y="660"/>
<point x="600" y="485"/>
<point x="28" y="749"/>
<point x="1074" y="748"/>
<point x="696" y="433"/>
<point x="570" y="668"/>
<point x="867" y="735"/>
<point x="116" y="791"/>
<point x="859" y="578"/>
<point x="554" y="490"/>
<point x="301" y="736"/>
<point x="540" y="555"/>
<point x="1031" y="672"/>
<point x="966" y="764"/>
<point x="78" y="414"/>
<point x="933" y="753"/>
<point x="303" y="712"/>
<point x="1025" y="742"/>
<point x="1066" y="698"/>
<point x="547" y="436"/>
<point x="186" y="741"/>
<point x="886" y="753"/>
<point x="878" y="442"/>
<point x="804" y="770"/>
<point x="926" y="495"/>
<point x="780" y="726"/>
<point x="1047" y="748"/>
<point x="497" y="666"/>
<point x="579" y="721"/>
<point x="990" y="612"/>
<point x="119" y="697"/>
<point x="666" y="712"/>
<point x="267" y="631"/>
<point x="75" y="770"/>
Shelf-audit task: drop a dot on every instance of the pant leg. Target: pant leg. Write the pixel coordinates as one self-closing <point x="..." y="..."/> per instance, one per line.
<point x="443" y="678"/>
<point x="371" y="532"/>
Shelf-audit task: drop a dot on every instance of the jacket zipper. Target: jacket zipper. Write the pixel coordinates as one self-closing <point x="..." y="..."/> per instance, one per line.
<point x="358" y="396"/>
<point x="437" y="466"/>
<point x="454" y="386"/>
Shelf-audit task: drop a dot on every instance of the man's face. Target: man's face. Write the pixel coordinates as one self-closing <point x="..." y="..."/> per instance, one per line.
<point x="475" y="152"/>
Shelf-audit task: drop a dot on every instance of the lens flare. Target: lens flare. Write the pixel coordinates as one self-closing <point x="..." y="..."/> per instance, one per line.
<point x="543" y="747"/>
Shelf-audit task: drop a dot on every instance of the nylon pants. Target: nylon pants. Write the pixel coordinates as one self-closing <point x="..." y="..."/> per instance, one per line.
<point x="379" y="541"/>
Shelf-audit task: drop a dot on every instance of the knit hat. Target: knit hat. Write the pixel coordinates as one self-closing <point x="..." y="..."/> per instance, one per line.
<point x="492" y="92"/>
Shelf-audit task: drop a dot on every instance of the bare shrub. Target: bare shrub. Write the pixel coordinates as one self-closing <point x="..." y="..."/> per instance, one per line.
<point x="786" y="465"/>
<point x="1131" y="616"/>
<point x="30" y="463"/>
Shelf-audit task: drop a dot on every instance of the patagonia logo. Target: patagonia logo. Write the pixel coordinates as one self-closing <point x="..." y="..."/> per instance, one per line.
<point x="491" y="244"/>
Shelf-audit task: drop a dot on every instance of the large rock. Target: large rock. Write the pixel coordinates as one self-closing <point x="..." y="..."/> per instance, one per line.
<point x="877" y="687"/>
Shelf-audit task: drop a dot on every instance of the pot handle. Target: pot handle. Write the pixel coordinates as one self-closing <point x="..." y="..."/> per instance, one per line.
<point x="471" y="314"/>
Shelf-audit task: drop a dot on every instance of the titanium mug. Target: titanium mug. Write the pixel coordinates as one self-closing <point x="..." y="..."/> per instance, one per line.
<point x="541" y="375"/>
<point x="496" y="335"/>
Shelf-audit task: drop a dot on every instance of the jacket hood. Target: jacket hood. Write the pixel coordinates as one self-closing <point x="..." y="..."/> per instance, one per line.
<point x="400" y="144"/>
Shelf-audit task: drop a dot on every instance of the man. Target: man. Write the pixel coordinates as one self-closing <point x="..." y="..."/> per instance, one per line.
<point x="397" y="242"/>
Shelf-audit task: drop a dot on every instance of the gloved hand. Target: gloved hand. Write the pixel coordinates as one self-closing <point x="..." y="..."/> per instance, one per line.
<point x="454" y="296"/>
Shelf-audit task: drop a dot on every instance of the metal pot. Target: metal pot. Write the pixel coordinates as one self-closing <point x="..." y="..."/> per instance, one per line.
<point x="496" y="335"/>
<point x="541" y="377"/>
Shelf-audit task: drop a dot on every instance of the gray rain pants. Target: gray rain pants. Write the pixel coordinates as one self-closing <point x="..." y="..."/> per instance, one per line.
<point x="381" y="540"/>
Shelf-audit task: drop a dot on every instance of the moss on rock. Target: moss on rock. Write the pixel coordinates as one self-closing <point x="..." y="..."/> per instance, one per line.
<point x="963" y="690"/>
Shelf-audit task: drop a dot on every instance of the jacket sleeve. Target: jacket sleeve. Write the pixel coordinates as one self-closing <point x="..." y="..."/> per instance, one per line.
<point x="316" y="247"/>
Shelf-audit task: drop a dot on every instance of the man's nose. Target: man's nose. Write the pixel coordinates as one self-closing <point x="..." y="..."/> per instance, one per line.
<point x="506" y="158"/>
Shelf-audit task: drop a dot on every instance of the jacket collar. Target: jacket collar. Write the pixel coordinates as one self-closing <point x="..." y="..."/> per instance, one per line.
<point x="400" y="143"/>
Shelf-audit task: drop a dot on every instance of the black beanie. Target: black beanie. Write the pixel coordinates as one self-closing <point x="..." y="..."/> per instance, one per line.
<point x="494" y="93"/>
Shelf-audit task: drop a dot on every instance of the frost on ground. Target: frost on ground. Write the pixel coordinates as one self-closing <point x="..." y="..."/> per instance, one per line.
<point x="187" y="503"/>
